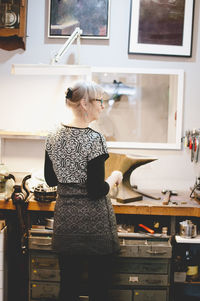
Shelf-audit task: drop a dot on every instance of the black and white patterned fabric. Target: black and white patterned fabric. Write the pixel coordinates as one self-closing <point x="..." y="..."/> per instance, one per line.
<point x="71" y="148"/>
<point x="82" y="225"/>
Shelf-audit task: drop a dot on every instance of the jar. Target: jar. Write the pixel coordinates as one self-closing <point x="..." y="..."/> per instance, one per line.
<point x="3" y="173"/>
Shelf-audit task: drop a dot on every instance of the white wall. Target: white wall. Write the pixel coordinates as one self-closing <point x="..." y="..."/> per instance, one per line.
<point x="172" y="170"/>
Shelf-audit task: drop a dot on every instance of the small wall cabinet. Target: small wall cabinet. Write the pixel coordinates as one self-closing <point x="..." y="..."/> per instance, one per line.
<point x="13" y="24"/>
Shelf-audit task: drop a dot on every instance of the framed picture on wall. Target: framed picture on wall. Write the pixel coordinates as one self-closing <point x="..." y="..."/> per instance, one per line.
<point x="92" y="16"/>
<point x="161" y="27"/>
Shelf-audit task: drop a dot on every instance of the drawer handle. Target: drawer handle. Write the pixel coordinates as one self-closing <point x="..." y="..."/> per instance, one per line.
<point x="41" y="275"/>
<point x="151" y="281"/>
<point x="133" y="279"/>
<point x="156" y="252"/>
<point x="41" y="244"/>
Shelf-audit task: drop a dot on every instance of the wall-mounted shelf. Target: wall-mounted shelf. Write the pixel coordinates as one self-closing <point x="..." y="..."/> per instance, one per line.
<point x="18" y="135"/>
<point x="184" y="240"/>
<point x="51" y="69"/>
<point x="22" y="135"/>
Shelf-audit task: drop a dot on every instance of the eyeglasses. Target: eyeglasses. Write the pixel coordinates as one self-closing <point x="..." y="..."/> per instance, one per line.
<point x="100" y="100"/>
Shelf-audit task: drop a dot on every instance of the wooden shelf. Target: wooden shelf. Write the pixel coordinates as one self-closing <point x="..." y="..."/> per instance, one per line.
<point x="183" y="240"/>
<point x="22" y="135"/>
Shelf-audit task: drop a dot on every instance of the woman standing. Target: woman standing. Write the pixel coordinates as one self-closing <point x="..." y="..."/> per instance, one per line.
<point x="84" y="221"/>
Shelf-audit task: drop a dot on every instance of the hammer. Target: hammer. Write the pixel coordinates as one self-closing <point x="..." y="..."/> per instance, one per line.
<point x="169" y="194"/>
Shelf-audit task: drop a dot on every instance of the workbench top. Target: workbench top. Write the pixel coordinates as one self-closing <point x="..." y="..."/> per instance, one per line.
<point x="185" y="206"/>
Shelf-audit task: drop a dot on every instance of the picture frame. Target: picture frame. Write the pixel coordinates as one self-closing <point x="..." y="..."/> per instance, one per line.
<point x="152" y="27"/>
<point x="143" y="109"/>
<point x="93" y="18"/>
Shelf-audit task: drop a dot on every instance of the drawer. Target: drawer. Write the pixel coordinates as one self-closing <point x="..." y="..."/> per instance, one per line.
<point x="150" y="295"/>
<point x="120" y="295"/>
<point x="114" y="295"/>
<point x="40" y="243"/>
<point x="140" y="279"/>
<point x="44" y="290"/>
<point x="148" y="249"/>
<point x="45" y="274"/>
<point x="142" y="266"/>
<point x="46" y="261"/>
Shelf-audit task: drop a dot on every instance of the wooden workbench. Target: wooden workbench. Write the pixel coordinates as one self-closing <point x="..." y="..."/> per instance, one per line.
<point x="186" y="206"/>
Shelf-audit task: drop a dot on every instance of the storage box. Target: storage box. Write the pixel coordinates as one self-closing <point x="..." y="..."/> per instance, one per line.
<point x="179" y="276"/>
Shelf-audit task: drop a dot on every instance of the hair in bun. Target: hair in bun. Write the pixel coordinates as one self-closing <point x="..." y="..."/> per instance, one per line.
<point x="69" y="93"/>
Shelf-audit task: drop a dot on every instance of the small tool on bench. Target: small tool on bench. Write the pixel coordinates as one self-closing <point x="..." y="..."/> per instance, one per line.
<point x="146" y="228"/>
<point x="169" y="193"/>
<point x="134" y="187"/>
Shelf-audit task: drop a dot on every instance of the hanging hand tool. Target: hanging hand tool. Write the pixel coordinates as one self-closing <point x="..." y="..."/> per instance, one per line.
<point x="197" y="150"/>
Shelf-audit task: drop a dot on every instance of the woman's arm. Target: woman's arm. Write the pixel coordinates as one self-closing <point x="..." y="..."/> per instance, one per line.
<point x="49" y="174"/>
<point x="96" y="185"/>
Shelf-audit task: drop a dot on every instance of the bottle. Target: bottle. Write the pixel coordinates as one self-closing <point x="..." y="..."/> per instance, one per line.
<point x="192" y="266"/>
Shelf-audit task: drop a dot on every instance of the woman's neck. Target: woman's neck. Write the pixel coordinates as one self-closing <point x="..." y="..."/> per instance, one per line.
<point x="77" y="122"/>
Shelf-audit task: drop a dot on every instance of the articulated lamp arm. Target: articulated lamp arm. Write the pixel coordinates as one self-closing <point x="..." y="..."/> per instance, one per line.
<point x="75" y="35"/>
